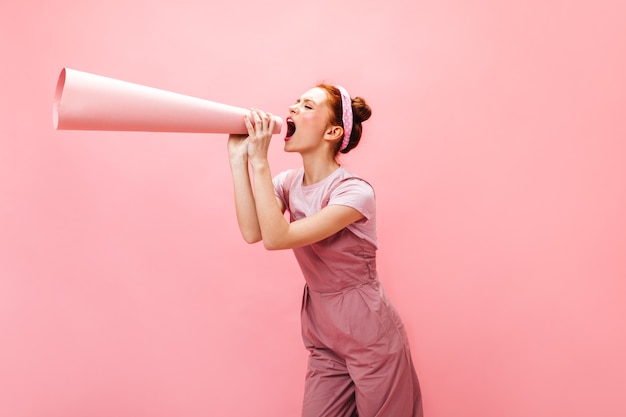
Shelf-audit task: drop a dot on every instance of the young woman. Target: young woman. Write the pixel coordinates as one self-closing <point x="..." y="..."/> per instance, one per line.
<point x="360" y="363"/>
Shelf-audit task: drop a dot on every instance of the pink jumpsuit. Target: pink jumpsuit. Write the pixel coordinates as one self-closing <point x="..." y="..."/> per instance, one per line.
<point x="360" y="362"/>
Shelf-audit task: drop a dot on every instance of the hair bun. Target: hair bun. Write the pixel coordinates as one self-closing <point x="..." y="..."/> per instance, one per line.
<point x="360" y="110"/>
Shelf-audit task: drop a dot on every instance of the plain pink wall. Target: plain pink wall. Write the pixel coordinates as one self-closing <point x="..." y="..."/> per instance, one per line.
<point x="497" y="149"/>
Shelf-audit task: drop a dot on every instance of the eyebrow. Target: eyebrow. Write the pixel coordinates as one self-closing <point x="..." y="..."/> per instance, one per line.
<point x="305" y="100"/>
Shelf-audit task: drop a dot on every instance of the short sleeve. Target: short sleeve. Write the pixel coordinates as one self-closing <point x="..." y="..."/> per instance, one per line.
<point x="355" y="193"/>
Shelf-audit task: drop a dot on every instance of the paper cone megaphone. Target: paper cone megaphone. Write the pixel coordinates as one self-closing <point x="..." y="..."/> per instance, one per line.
<point x="86" y="101"/>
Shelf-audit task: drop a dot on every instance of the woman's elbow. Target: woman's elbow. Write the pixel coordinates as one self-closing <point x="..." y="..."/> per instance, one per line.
<point x="273" y="244"/>
<point x="269" y="245"/>
<point x="251" y="237"/>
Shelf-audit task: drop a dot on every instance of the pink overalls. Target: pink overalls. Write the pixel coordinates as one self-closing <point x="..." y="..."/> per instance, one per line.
<point x="360" y="363"/>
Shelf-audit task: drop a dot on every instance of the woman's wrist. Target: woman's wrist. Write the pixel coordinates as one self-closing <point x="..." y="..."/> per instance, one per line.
<point x="259" y="164"/>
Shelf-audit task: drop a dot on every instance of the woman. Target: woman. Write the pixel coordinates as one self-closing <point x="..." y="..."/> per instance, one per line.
<point x="359" y="362"/>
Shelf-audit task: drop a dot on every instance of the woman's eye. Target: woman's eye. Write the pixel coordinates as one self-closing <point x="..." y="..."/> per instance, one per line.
<point x="308" y="107"/>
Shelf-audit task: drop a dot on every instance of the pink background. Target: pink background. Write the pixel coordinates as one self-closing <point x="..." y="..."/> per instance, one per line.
<point x="497" y="148"/>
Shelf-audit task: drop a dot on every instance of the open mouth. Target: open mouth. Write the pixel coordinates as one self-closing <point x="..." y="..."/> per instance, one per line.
<point x="291" y="128"/>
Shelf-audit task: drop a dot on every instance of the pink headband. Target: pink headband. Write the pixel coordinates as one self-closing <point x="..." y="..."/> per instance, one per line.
<point x="346" y="105"/>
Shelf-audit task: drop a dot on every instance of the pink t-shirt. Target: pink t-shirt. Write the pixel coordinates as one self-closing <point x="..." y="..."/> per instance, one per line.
<point x="307" y="200"/>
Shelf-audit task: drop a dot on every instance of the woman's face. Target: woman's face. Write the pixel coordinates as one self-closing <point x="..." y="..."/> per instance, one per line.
<point x="309" y="118"/>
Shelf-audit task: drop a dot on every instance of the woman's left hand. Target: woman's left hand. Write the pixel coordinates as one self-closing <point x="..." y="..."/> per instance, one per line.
<point x="260" y="130"/>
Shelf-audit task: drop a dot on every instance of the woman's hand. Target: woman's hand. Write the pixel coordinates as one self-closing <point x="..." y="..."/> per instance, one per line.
<point x="260" y="130"/>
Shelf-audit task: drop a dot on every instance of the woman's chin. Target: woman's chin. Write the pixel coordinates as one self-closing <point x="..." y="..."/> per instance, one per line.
<point x="288" y="148"/>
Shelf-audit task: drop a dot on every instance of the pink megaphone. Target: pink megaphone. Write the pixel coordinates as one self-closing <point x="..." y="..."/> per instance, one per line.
<point x="86" y="101"/>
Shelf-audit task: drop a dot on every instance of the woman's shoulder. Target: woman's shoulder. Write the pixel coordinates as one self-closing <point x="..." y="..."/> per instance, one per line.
<point x="352" y="180"/>
<point x="352" y="191"/>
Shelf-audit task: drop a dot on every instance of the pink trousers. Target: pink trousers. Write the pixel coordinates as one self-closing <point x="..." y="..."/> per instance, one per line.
<point x="360" y="362"/>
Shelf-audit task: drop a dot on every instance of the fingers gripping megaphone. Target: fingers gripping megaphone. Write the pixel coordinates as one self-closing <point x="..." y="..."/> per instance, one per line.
<point x="85" y="101"/>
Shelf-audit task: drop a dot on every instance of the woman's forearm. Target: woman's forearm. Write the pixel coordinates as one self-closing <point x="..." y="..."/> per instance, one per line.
<point x="271" y="221"/>
<point x="244" y="201"/>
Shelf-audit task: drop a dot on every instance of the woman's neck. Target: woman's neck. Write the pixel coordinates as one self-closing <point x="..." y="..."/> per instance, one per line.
<point x="316" y="169"/>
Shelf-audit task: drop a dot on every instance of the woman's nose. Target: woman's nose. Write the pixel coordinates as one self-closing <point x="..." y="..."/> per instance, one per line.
<point x="292" y="109"/>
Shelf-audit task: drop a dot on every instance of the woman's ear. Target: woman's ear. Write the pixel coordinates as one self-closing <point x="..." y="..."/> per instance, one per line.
<point x="333" y="133"/>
